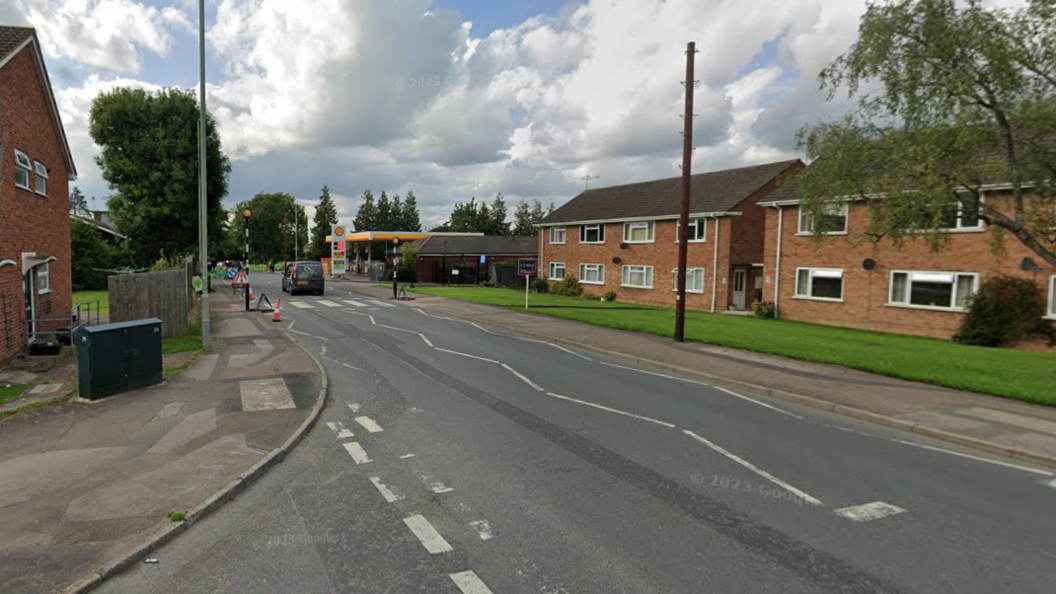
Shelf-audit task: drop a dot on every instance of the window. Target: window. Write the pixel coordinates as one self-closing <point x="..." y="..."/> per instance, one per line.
<point x="694" y="279"/>
<point x="952" y="216"/>
<point x="819" y="283"/>
<point x="592" y="234"/>
<point x="1052" y="297"/>
<point x="41" y="178"/>
<point x="557" y="235"/>
<point x="833" y="222"/>
<point x="637" y="276"/>
<point x="557" y="270"/>
<point x="43" y="278"/>
<point x="939" y="290"/>
<point x="592" y="274"/>
<point x="698" y="230"/>
<point x="21" y="170"/>
<point x="640" y="232"/>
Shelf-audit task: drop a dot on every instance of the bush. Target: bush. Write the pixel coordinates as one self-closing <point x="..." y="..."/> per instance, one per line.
<point x="568" y="286"/>
<point x="1006" y="310"/>
<point x="610" y="295"/>
<point x="763" y="309"/>
<point x="172" y="263"/>
<point x="540" y="285"/>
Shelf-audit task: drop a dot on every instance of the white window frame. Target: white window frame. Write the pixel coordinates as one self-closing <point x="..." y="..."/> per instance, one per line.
<point x="600" y="268"/>
<point x="694" y="224"/>
<point x="40" y="178"/>
<point x="806" y="292"/>
<point x="806" y="222"/>
<point x="22" y="164"/>
<point x="600" y="227"/>
<point x="923" y="276"/>
<point x="650" y="231"/>
<point x="554" y="231"/>
<point x="959" y="226"/>
<point x="43" y="278"/>
<point x="645" y="271"/>
<point x="553" y="276"/>
<point x="690" y="274"/>
<point x="1052" y="298"/>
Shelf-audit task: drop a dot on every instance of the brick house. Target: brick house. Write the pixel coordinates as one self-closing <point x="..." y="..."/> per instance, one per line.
<point x="624" y="238"/>
<point x="35" y="282"/>
<point x="845" y="280"/>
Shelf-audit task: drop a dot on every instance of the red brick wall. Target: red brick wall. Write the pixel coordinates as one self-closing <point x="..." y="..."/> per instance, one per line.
<point x="30" y="222"/>
<point x="865" y="293"/>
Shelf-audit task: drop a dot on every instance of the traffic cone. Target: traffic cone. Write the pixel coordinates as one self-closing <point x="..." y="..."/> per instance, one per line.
<point x="278" y="308"/>
<point x="250" y="292"/>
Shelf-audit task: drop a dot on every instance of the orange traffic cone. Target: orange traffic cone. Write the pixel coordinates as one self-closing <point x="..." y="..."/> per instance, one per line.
<point x="278" y="308"/>
<point x="250" y="292"/>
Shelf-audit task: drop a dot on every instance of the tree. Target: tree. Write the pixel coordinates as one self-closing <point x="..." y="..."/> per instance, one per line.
<point x="496" y="223"/>
<point x="323" y="224"/>
<point x="149" y="155"/>
<point x="366" y="215"/>
<point x="951" y="97"/>
<point x="468" y="217"/>
<point x="412" y="220"/>
<point x="383" y="213"/>
<point x="271" y="228"/>
<point x="91" y="256"/>
<point x="78" y="204"/>
<point x="525" y="219"/>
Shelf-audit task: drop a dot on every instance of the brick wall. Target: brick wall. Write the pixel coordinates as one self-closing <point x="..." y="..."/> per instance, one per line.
<point x="30" y="222"/>
<point x="865" y="293"/>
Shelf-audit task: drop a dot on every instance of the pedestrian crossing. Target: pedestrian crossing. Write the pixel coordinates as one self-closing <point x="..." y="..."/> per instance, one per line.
<point x="345" y="302"/>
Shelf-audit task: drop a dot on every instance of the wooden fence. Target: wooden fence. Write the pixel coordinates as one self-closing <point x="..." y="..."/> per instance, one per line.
<point x="167" y="296"/>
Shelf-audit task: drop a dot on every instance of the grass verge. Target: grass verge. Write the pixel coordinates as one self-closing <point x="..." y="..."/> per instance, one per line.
<point x="191" y="341"/>
<point x="178" y="368"/>
<point x="32" y="406"/>
<point x="103" y="297"/>
<point x="1021" y="375"/>
<point x="9" y="393"/>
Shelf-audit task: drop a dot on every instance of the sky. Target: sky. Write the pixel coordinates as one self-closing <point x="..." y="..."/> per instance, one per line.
<point x="454" y="99"/>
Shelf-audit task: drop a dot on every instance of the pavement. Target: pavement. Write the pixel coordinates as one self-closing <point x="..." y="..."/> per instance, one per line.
<point x="995" y="425"/>
<point x="86" y="488"/>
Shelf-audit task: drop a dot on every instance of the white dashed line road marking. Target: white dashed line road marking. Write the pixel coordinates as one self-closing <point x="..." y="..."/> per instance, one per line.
<point x="469" y="583"/>
<point x="521" y="377"/>
<point x="569" y="351"/>
<point x="405" y="456"/>
<point x="425" y="339"/>
<point x="612" y="410"/>
<point x="773" y="479"/>
<point x="481" y="328"/>
<point x="483" y="529"/>
<point x="328" y="303"/>
<point x="301" y="304"/>
<point x="355" y="303"/>
<point x="394" y="328"/>
<point x="383" y="304"/>
<point x="429" y="537"/>
<point x="339" y="430"/>
<point x="385" y="491"/>
<point x="343" y="363"/>
<point x="467" y="355"/>
<point x="359" y="455"/>
<point x="870" y="511"/>
<point x="369" y="424"/>
<point x="354" y="406"/>
<point x="969" y="456"/>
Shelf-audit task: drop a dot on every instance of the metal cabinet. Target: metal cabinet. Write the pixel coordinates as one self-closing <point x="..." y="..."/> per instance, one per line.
<point x="115" y="358"/>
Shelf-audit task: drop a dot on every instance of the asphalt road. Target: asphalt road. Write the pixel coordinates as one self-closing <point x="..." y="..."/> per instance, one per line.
<point x="454" y="458"/>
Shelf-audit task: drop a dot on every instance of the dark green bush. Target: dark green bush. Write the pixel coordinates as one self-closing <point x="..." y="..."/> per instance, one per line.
<point x="568" y="286"/>
<point x="1006" y="310"/>
<point x="540" y="285"/>
<point x="610" y="295"/>
<point x="763" y="309"/>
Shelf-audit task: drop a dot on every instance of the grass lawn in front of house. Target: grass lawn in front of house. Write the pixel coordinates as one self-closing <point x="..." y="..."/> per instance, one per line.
<point x="103" y="297"/>
<point x="1021" y="375"/>
<point x="9" y="392"/>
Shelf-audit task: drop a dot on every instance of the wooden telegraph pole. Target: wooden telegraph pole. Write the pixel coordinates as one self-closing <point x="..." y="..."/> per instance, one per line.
<point x="683" y="220"/>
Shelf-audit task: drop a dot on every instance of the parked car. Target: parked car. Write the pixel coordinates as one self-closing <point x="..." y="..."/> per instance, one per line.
<point x="303" y="277"/>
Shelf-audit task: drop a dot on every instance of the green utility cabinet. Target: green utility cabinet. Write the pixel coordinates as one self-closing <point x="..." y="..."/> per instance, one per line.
<point x="115" y="358"/>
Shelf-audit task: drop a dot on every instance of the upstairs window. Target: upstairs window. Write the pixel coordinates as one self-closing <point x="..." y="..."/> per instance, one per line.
<point x="592" y="234"/>
<point x="832" y="222"/>
<point x="557" y="235"/>
<point x="41" y="178"/>
<point x="639" y="232"/>
<point x="698" y="230"/>
<point x="21" y="170"/>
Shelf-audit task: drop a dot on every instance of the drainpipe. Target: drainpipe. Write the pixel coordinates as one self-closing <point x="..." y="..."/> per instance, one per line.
<point x="715" y="267"/>
<point x="777" y="265"/>
<point x="542" y="259"/>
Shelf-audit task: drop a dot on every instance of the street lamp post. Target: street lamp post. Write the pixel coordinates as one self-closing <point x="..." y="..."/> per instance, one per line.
<point x="246" y="213"/>
<point x="203" y="235"/>
<point x="395" y="245"/>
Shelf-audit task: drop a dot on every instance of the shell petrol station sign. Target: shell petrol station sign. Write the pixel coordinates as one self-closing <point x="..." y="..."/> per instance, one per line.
<point x="338" y="253"/>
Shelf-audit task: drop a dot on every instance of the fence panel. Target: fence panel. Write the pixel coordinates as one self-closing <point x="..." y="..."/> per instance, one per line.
<point x="163" y="295"/>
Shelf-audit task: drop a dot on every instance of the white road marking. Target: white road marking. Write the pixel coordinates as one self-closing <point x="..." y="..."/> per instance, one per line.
<point x="429" y="537"/>
<point x="439" y="487"/>
<point x="369" y="424"/>
<point x="322" y="351"/>
<point x="469" y="583"/>
<point x="425" y="339"/>
<point x="354" y="406"/>
<point x="969" y="456"/>
<point x="345" y="364"/>
<point x="870" y="511"/>
<point x="385" y="491"/>
<point x="421" y="311"/>
<point x="301" y="304"/>
<point x="773" y="479"/>
<point x="354" y="303"/>
<point x="328" y="303"/>
<point x="394" y="328"/>
<point x="612" y="410"/>
<point x="569" y="351"/>
<point x="482" y="328"/>
<point x="383" y="304"/>
<point x="467" y="355"/>
<point x="1051" y="483"/>
<point x="301" y="333"/>
<point x="754" y="401"/>
<point x="359" y="455"/>
<point x="405" y="456"/>
<point x="339" y="429"/>
<point x="290" y="327"/>
<point x="483" y="529"/>
<point x="356" y="313"/>
<point x="522" y="378"/>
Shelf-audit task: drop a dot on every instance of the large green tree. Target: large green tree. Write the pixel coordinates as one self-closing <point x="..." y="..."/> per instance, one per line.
<point x="276" y="219"/>
<point x="951" y="99"/>
<point x="323" y="223"/>
<point x="412" y="220"/>
<point x="496" y="223"/>
<point x="525" y="218"/>
<point x="78" y="203"/>
<point x="149" y="155"/>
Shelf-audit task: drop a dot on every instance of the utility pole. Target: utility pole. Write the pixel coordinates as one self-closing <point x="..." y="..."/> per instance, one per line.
<point x="285" y="242"/>
<point x="683" y="219"/>
<point x="203" y="220"/>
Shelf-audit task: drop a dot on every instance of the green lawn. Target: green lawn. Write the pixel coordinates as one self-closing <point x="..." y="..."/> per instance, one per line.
<point x="103" y="297"/>
<point x="10" y="392"/>
<point x="1010" y="373"/>
<point x="191" y="341"/>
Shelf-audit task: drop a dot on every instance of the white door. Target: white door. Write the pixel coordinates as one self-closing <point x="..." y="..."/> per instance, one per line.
<point x="740" y="280"/>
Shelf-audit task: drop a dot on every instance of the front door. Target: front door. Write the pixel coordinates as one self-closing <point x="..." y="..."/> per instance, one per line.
<point x="31" y="326"/>
<point x="740" y="281"/>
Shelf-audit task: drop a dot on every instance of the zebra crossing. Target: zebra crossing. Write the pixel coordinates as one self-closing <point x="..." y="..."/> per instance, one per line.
<point x="365" y="303"/>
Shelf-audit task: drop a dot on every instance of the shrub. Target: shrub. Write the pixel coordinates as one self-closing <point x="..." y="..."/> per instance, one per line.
<point x="168" y="263"/>
<point x="488" y="283"/>
<point x="610" y="295"/>
<point x="540" y="285"/>
<point x="592" y="297"/>
<point x="1006" y="310"/>
<point x="568" y="286"/>
<point x="763" y="309"/>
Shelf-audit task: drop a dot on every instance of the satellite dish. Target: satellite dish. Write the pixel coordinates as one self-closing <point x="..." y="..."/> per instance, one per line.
<point x="869" y="264"/>
<point x="623" y="246"/>
<point x="1028" y="264"/>
<point x="616" y="260"/>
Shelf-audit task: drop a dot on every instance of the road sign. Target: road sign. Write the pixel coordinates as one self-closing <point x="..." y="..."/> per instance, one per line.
<point x="240" y="279"/>
<point x="483" y="259"/>
<point x="528" y="266"/>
